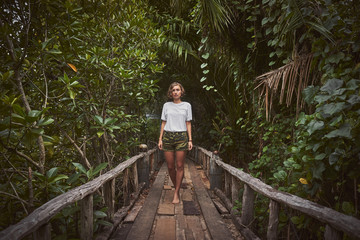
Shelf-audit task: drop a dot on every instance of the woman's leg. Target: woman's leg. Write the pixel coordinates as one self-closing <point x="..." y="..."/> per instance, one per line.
<point x="170" y="160"/>
<point x="180" y="160"/>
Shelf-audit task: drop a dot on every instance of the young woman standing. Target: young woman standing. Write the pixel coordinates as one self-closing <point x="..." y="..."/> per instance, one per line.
<point x="175" y="135"/>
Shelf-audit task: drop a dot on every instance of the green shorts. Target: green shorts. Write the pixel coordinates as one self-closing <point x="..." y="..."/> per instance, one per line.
<point x="175" y="141"/>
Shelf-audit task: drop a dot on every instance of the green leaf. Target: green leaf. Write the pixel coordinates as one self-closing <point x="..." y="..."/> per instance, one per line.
<point x="58" y="178"/>
<point x="100" y="167"/>
<point x="73" y="178"/>
<point x="343" y="131"/>
<point x="314" y="126"/>
<point x="109" y="121"/>
<point x="80" y="167"/>
<point x="37" y="131"/>
<point x="105" y="223"/>
<point x="52" y="172"/>
<point x="320" y="156"/>
<point x="45" y="121"/>
<point x="353" y="84"/>
<point x="318" y="170"/>
<point x="309" y="94"/>
<point x="203" y="65"/>
<point x="354" y="99"/>
<point x="331" y="85"/>
<point x="100" y="133"/>
<point x="322" y="98"/>
<point x="100" y="214"/>
<point x="202" y="79"/>
<point x="206" y="71"/>
<point x="205" y="56"/>
<point x="98" y="119"/>
<point x="332" y="108"/>
<point x="333" y="158"/>
<point x="34" y="113"/>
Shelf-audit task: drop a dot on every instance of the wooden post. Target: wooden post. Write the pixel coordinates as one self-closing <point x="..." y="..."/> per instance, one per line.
<point x="135" y="176"/>
<point x="273" y="220"/>
<point x="215" y="174"/>
<point x="332" y="234"/>
<point x="151" y="163"/>
<point x="247" y="212"/>
<point x="109" y="197"/>
<point x="125" y="187"/>
<point x="235" y="186"/>
<point x="227" y="188"/>
<point x="86" y="221"/>
<point x="43" y="233"/>
<point x="196" y="155"/>
<point x="143" y="169"/>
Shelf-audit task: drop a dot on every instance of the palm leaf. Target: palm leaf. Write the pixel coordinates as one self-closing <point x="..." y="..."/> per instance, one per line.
<point x="294" y="75"/>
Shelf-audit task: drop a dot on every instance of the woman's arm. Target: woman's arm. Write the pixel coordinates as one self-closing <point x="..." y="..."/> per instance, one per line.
<point x="188" y="128"/>
<point x="161" y="134"/>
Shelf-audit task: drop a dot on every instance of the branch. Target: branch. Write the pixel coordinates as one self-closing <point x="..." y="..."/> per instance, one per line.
<point x="13" y="196"/>
<point x="86" y="161"/>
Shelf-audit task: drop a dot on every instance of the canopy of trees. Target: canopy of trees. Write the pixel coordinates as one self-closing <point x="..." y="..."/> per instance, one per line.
<point x="274" y="86"/>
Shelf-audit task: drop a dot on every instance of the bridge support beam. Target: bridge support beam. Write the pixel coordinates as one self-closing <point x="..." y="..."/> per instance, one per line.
<point x="273" y="220"/>
<point x="247" y="212"/>
<point x="143" y="170"/>
<point x="215" y="174"/>
<point x="86" y="221"/>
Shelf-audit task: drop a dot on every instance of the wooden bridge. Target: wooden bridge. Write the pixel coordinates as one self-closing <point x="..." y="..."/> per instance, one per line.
<point x="209" y="190"/>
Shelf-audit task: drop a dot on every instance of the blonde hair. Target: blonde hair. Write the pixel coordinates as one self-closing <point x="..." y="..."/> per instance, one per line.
<point x="172" y="85"/>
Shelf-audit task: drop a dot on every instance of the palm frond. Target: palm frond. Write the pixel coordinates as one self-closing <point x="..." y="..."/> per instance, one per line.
<point x="215" y="14"/>
<point x="294" y="76"/>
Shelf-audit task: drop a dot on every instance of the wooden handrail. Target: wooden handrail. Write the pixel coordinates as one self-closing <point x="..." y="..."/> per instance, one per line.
<point x="334" y="220"/>
<point x="44" y="213"/>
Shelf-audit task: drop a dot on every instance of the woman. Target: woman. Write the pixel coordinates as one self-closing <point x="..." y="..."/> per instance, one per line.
<point x="175" y="135"/>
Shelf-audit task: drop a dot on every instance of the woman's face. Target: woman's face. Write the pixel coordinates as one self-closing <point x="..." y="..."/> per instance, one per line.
<point x="176" y="92"/>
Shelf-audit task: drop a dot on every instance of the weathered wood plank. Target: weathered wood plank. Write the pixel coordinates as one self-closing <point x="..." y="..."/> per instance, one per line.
<point x="348" y="224"/>
<point x="130" y="218"/>
<point x="109" y="197"/>
<point x="142" y="226"/>
<point x="86" y="218"/>
<point x="215" y="225"/>
<point x="235" y="188"/>
<point x="332" y="234"/>
<point x="273" y="220"/>
<point x="220" y="207"/>
<point x="166" y="209"/>
<point x="43" y="233"/>
<point x="165" y="229"/>
<point x="235" y="216"/>
<point x="215" y="175"/>
<point x="119" y="216"/>
<point x="247" y="211"/>
<point x="44" y="213"/>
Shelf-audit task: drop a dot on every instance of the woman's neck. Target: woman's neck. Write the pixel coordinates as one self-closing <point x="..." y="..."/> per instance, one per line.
<point x="176" y="101"/>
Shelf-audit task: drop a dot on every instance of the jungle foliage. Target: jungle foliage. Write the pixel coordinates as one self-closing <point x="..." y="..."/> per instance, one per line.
<point x="276" y="92"/>
<point x="76" y="80"/>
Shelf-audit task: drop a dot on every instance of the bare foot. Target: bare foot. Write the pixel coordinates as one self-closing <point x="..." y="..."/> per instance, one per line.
<point x="176" y="199"/>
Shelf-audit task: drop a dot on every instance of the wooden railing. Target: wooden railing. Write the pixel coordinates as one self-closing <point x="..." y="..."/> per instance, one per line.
<point x="38" y="221"/>
<point x="226" y="178"/>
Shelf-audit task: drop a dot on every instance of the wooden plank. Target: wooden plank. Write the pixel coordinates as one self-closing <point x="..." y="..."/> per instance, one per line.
<point x="273" y="221"/>
<point x="168" y="196"/>
<point x="167" y="187"/>
<point x="166" y="209"/>
<point x="121" y="232"/>
<point x="247" y="212"/>
<point x="44" y="213"/>
<point x="109" y="197"/>
<point x="348" y="224"/>
<point x="142" y="226"/>
<point x="180" y="222"/>
<point x="216" y="226"/>
<point x="165" y="229"/>
<point x="187" y="195"/>
<point x="130" y="218"/>
<point x="194" y="225"/>
<point x="220" y="207"/>
<point x="86" y="218"/>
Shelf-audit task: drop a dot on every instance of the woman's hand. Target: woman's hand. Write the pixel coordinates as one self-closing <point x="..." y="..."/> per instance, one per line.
<point x="190" y="145"/>
<point x="160" y="144"/>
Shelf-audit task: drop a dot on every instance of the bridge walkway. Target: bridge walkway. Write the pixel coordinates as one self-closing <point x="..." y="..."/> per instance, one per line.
<point x="195" y="217"/>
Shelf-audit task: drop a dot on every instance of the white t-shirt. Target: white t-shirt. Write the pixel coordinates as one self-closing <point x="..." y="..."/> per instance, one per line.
<point x="176" y="116"/>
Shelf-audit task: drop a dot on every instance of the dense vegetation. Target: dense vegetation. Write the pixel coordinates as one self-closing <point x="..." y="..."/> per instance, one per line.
<point x="274" y="86"/>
